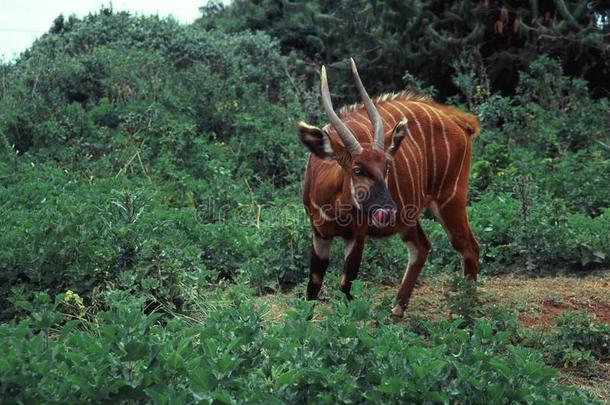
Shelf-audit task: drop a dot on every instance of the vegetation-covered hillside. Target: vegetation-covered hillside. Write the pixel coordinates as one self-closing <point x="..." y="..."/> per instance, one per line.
<point x="389" y="38"/>
<point x="150" y="175"/>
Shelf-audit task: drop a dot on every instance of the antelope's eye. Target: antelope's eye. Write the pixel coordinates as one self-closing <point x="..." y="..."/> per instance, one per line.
<point x="357" y="170"/>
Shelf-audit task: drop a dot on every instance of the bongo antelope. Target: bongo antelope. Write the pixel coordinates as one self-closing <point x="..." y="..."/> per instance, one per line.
<point x="371" y="172"/>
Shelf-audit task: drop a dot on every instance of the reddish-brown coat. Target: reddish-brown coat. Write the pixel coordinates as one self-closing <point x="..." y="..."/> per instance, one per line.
<point x="431" y="168"/>
<point x="423" y="170"/>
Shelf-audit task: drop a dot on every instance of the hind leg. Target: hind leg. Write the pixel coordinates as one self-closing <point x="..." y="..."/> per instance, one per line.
<point x="419" y="246"/>
<point x="454" y="218"/>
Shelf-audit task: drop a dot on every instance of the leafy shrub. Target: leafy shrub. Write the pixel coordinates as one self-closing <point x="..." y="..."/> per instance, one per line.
<point x="577" y="342"/>
<point x="463" y="299"/>
<point x="232" y="356"/>
<point x="579" y="330"/>
<point x="282" y="258"/>
<point x="114" y="93"/>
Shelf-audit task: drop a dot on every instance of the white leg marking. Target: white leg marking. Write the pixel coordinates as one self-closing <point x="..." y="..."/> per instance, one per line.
<point x="435" y="211"/>
<point x="349" y="246"/>
<point x="343" y="280"/>
<point x="352" y="190"/>
<point x="413" y="252"/>
<point x="399" y="310"/>
<point x="462" y="261"/>
<point x="323" y="215"/>
<point x="321" y="246"/>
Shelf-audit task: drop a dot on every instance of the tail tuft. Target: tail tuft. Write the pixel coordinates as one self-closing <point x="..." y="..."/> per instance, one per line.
<point x="467" y="122"/>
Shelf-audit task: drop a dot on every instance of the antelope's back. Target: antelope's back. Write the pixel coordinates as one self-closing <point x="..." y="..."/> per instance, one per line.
<point x="433" y="163"/>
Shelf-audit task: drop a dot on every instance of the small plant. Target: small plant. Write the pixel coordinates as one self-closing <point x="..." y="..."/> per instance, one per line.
<point x="582" y="331"/>
<point x="578" y="340"/>
<point x="463" y="299"/>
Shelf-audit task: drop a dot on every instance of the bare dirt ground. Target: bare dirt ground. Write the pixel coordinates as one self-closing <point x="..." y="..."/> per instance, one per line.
<point x="537" y="301"/>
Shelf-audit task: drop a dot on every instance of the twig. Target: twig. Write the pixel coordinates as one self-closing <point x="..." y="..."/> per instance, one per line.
<point x="603" y="144"/>
<point x="255" y="204"/>
<point x="143" y="168"/>
<point x="124" y="169"/>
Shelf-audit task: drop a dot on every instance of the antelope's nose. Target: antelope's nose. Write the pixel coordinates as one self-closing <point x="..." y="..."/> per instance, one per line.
<point x="384" y="215"/>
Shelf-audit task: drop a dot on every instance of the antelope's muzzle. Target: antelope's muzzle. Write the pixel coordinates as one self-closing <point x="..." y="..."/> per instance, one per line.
<point x="380" y="206"/>
<point x="384" y="216"/>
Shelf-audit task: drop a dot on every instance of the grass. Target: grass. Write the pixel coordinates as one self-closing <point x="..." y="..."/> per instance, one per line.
<point x="536" y="300"/>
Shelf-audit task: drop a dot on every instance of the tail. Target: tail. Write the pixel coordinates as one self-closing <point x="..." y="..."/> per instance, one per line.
<point x="467" y="122"/>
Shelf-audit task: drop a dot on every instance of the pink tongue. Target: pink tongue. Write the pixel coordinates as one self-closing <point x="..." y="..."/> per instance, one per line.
<point x="380" y="216"/>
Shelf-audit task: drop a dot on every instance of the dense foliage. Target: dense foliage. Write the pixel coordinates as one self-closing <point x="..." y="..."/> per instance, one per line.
<point x="391" y="38"/>
<point x="148" y="167"/>
<point x="232" y="356"/>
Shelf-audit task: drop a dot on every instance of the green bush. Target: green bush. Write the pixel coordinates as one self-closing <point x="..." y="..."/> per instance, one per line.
<point x="577" y="342"/>
<point x="150" y="181"/>
<point x="113" y="93"/>
<point x="581" y="331"/>
<point x="232" y="356"/>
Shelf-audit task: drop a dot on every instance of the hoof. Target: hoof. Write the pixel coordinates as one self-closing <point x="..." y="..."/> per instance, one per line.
<point x="397" y="312"/>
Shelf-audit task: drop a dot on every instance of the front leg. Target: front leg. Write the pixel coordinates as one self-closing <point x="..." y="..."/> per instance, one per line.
<point x="353" y="256"/>
<point x="318" y="263"/>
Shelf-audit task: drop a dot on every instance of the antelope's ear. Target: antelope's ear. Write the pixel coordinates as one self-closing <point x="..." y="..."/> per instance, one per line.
<point x="317" y="141"/>
<point x="398" y="134"/>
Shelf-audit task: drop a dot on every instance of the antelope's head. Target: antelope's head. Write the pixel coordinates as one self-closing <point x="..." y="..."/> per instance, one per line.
<point x="365" y="167"/>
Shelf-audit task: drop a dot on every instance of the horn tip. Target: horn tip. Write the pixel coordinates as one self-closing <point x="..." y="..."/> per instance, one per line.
<point x="323" y="78"/>
<point x="353" y="64"/>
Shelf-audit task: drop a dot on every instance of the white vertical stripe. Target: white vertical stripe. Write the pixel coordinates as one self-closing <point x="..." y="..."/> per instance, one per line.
<point x="440" y="187"/>
<point x="419" y="163"/>
<point x="369" y="132"/>
<point x="459" y="174"/>
<point x="361" y="125"/>
<point x="417" y="166"/>
<point x="402" y="152"/>
<point x="425" y="152"/>
<point x="394" y="172"/>
<point x="385" y="123"/>
<point x="425" y="110"/>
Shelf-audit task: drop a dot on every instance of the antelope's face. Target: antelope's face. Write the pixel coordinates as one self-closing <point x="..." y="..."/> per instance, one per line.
<point x="368" y="187"/>
<point x="365" y="169"/>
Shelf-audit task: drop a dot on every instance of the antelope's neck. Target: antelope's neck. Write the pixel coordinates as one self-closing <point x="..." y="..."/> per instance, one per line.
<point x="332" y="196"/>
